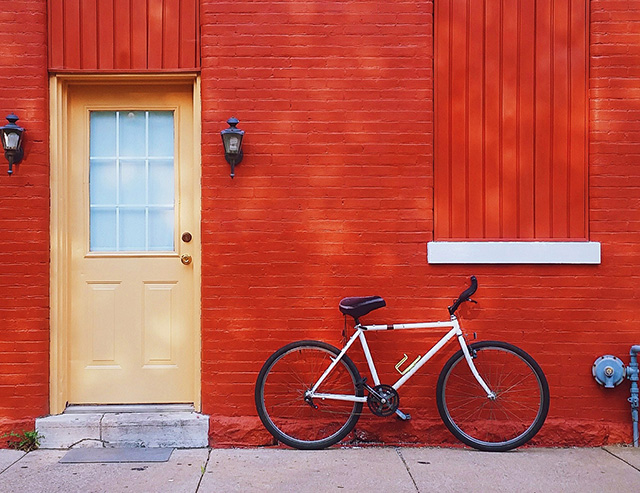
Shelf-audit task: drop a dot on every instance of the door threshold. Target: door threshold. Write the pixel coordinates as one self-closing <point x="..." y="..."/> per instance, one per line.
<point x="126" y="425"/>
<point x="128" y="408"/>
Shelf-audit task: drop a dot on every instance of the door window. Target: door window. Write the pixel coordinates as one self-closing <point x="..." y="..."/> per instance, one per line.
<point x="131" y="181"/>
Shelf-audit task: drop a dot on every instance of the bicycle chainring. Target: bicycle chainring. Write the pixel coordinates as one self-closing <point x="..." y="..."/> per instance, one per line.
<point x="387" y="402"/>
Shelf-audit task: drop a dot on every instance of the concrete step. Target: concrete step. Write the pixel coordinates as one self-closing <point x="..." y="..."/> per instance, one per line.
<point x="125" y="426"/>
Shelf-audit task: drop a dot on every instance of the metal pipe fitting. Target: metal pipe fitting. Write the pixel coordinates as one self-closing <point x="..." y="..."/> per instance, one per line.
<point x="633" y="376"/>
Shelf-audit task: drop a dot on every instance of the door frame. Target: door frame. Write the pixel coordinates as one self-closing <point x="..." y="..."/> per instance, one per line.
<point x="60" y="265"/>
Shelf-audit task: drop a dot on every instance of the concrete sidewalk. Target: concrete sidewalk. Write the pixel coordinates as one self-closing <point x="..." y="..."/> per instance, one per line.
<point x="609" y="469"/>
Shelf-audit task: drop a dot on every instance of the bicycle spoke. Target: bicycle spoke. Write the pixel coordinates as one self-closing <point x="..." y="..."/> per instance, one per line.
<point x="501" y="423"/>
<point x="282" y="386"/>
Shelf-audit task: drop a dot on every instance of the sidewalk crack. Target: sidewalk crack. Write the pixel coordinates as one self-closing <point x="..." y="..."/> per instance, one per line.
<point x="406" y="466"/>
<point x="14" y="462"/>
<point x="203" y="470"/>
<point x="100" y="429"/>
<point x="621" y="459"/>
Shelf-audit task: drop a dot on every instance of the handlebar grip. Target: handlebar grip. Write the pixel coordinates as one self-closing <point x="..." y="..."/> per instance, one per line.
<point x="464" y="296"/>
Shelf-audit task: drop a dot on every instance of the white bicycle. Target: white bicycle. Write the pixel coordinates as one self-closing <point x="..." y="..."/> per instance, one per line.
<point x="491" y="395"/>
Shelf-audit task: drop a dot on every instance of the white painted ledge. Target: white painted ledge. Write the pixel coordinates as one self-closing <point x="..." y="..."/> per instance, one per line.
<point x="513" y="252"/>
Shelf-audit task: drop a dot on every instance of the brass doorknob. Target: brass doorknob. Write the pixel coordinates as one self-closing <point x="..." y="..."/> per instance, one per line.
<point x="186" y="259"/>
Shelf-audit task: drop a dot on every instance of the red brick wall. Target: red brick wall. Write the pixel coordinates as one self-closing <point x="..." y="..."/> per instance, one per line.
<point x="24" y="220"/>
<point x="331" y="201"/>
<point x="334" y="198"/>
<point x="613" y="300"/>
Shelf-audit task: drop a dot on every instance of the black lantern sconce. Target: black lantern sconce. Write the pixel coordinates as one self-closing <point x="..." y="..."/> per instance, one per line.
<point x="232" y="140"/>
<point x="11" y="135"/>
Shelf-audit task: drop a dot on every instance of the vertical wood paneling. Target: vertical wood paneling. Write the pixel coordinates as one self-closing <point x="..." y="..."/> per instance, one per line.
<point x="171" y="33"/>
<point x="72" y="31"/>
<point x="89" y="38"/>
<point x="491" y="128"/>
<point x="458" y="115"/>
<point x="56" y="33"/>
<point x="155" y="31"/>
<point x="106" y="36"/>
<point x="189" y="41"/>
<point x="509" y="121"/>
<point x="442" y="181"/>
<point x="578" y="122"/>
<point x="526" y="118"/>
<point x="510" y="158"/>
<point x="476" y="115"/>
<point x="543" y="117"/>
<point x="124" y="35"/>
<point x="560" y="164"/>
<point x="139" y="22"/>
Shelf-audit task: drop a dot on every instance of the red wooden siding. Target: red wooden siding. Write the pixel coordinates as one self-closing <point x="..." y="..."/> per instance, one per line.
<point x="511" y="119"/>
<point x="124" y="35"/>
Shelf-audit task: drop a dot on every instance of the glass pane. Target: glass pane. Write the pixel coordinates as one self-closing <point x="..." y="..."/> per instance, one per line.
<point x="132" y="133"/>
<point x="161" y="229"/>
<point x="161" y="184"/>
<point x="132" y="230"/>
<point x="102" y="181"/>
<point x="102" y="134"/>
<point x="161" y="133"/>
<point x="103" y="230"/>
<point x="132" y="182"/>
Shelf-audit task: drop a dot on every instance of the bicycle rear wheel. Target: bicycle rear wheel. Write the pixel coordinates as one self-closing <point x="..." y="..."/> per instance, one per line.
<point x="518" y="410"/>
<point x="280" y="391"/>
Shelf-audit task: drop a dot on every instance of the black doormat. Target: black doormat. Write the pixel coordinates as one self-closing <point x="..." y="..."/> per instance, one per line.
<point x="97" y="455"/>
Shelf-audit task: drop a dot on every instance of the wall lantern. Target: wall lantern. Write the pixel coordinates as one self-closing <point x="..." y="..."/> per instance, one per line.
<point x="11" y="135"/>
<point x="232" y="140"/>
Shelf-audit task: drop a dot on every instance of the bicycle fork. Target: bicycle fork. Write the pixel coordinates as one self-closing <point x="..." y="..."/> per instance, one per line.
<point x="467" y="356"/>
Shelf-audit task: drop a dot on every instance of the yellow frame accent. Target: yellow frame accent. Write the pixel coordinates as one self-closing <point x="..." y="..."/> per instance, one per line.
<point x="59" y="240"/>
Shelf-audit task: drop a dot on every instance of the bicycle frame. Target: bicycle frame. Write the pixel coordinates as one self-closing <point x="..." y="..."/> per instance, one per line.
<point x="455" y="331"/>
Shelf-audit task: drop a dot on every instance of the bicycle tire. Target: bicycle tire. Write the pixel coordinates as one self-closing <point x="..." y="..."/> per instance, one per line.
<point x="280" y="389"/>
<point x="513" y="417"/>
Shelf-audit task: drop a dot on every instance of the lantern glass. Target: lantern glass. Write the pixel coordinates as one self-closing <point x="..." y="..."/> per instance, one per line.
<point x="11" y="140"/>
<point x="234" y="144"/>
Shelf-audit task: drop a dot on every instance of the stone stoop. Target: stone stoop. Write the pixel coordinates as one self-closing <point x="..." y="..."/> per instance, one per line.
<point x="173" y="425"/>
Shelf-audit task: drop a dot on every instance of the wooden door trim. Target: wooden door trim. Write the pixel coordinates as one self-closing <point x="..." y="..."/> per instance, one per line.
<point x="60" y="285"/>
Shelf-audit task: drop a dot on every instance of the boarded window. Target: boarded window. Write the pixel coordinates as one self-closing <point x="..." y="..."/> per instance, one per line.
<point x="511" y="119"/>
<point x="123" y="35"/>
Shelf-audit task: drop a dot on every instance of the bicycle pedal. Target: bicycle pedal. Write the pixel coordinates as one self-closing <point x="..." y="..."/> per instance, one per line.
<point x="403" y="416"/>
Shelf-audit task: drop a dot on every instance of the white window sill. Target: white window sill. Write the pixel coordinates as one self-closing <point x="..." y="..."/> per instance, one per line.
<point x="513" y="252"/>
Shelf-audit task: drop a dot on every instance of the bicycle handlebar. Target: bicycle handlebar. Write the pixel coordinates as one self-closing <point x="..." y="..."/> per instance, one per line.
<point x="464" y="296"/>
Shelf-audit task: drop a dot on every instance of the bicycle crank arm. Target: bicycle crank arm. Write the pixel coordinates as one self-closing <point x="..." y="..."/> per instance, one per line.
<point x="373" y="391"/>
<point x="403" y="416"/>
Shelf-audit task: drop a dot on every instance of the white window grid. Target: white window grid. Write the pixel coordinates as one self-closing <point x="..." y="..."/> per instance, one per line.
<point x="117" y="206"/>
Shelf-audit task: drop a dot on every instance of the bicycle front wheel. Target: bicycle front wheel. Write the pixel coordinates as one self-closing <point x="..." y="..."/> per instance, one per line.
<point x="516" y="413"/>
<point x="280" y="395"/>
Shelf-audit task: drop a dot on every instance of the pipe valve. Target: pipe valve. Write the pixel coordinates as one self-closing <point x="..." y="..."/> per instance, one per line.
<point x="608" y="371"/>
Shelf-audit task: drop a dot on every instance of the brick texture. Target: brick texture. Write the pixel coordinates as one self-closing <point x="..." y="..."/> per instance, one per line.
<point x="334" y="195"/>
<point x="335" y="198"/>
<point x="24" y="220"/>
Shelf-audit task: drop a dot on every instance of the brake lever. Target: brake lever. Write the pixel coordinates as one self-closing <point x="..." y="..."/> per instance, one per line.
<point x="472" y="301"/>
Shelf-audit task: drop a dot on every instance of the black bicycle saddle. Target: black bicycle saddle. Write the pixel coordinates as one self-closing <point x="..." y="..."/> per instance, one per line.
<point x="359" y="306"/>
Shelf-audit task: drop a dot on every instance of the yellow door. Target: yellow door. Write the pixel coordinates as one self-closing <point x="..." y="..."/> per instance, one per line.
<point x="133" y="236"/>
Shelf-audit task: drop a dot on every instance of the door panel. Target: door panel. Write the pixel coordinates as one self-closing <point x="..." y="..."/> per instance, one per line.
<point x="133" y="316"/>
